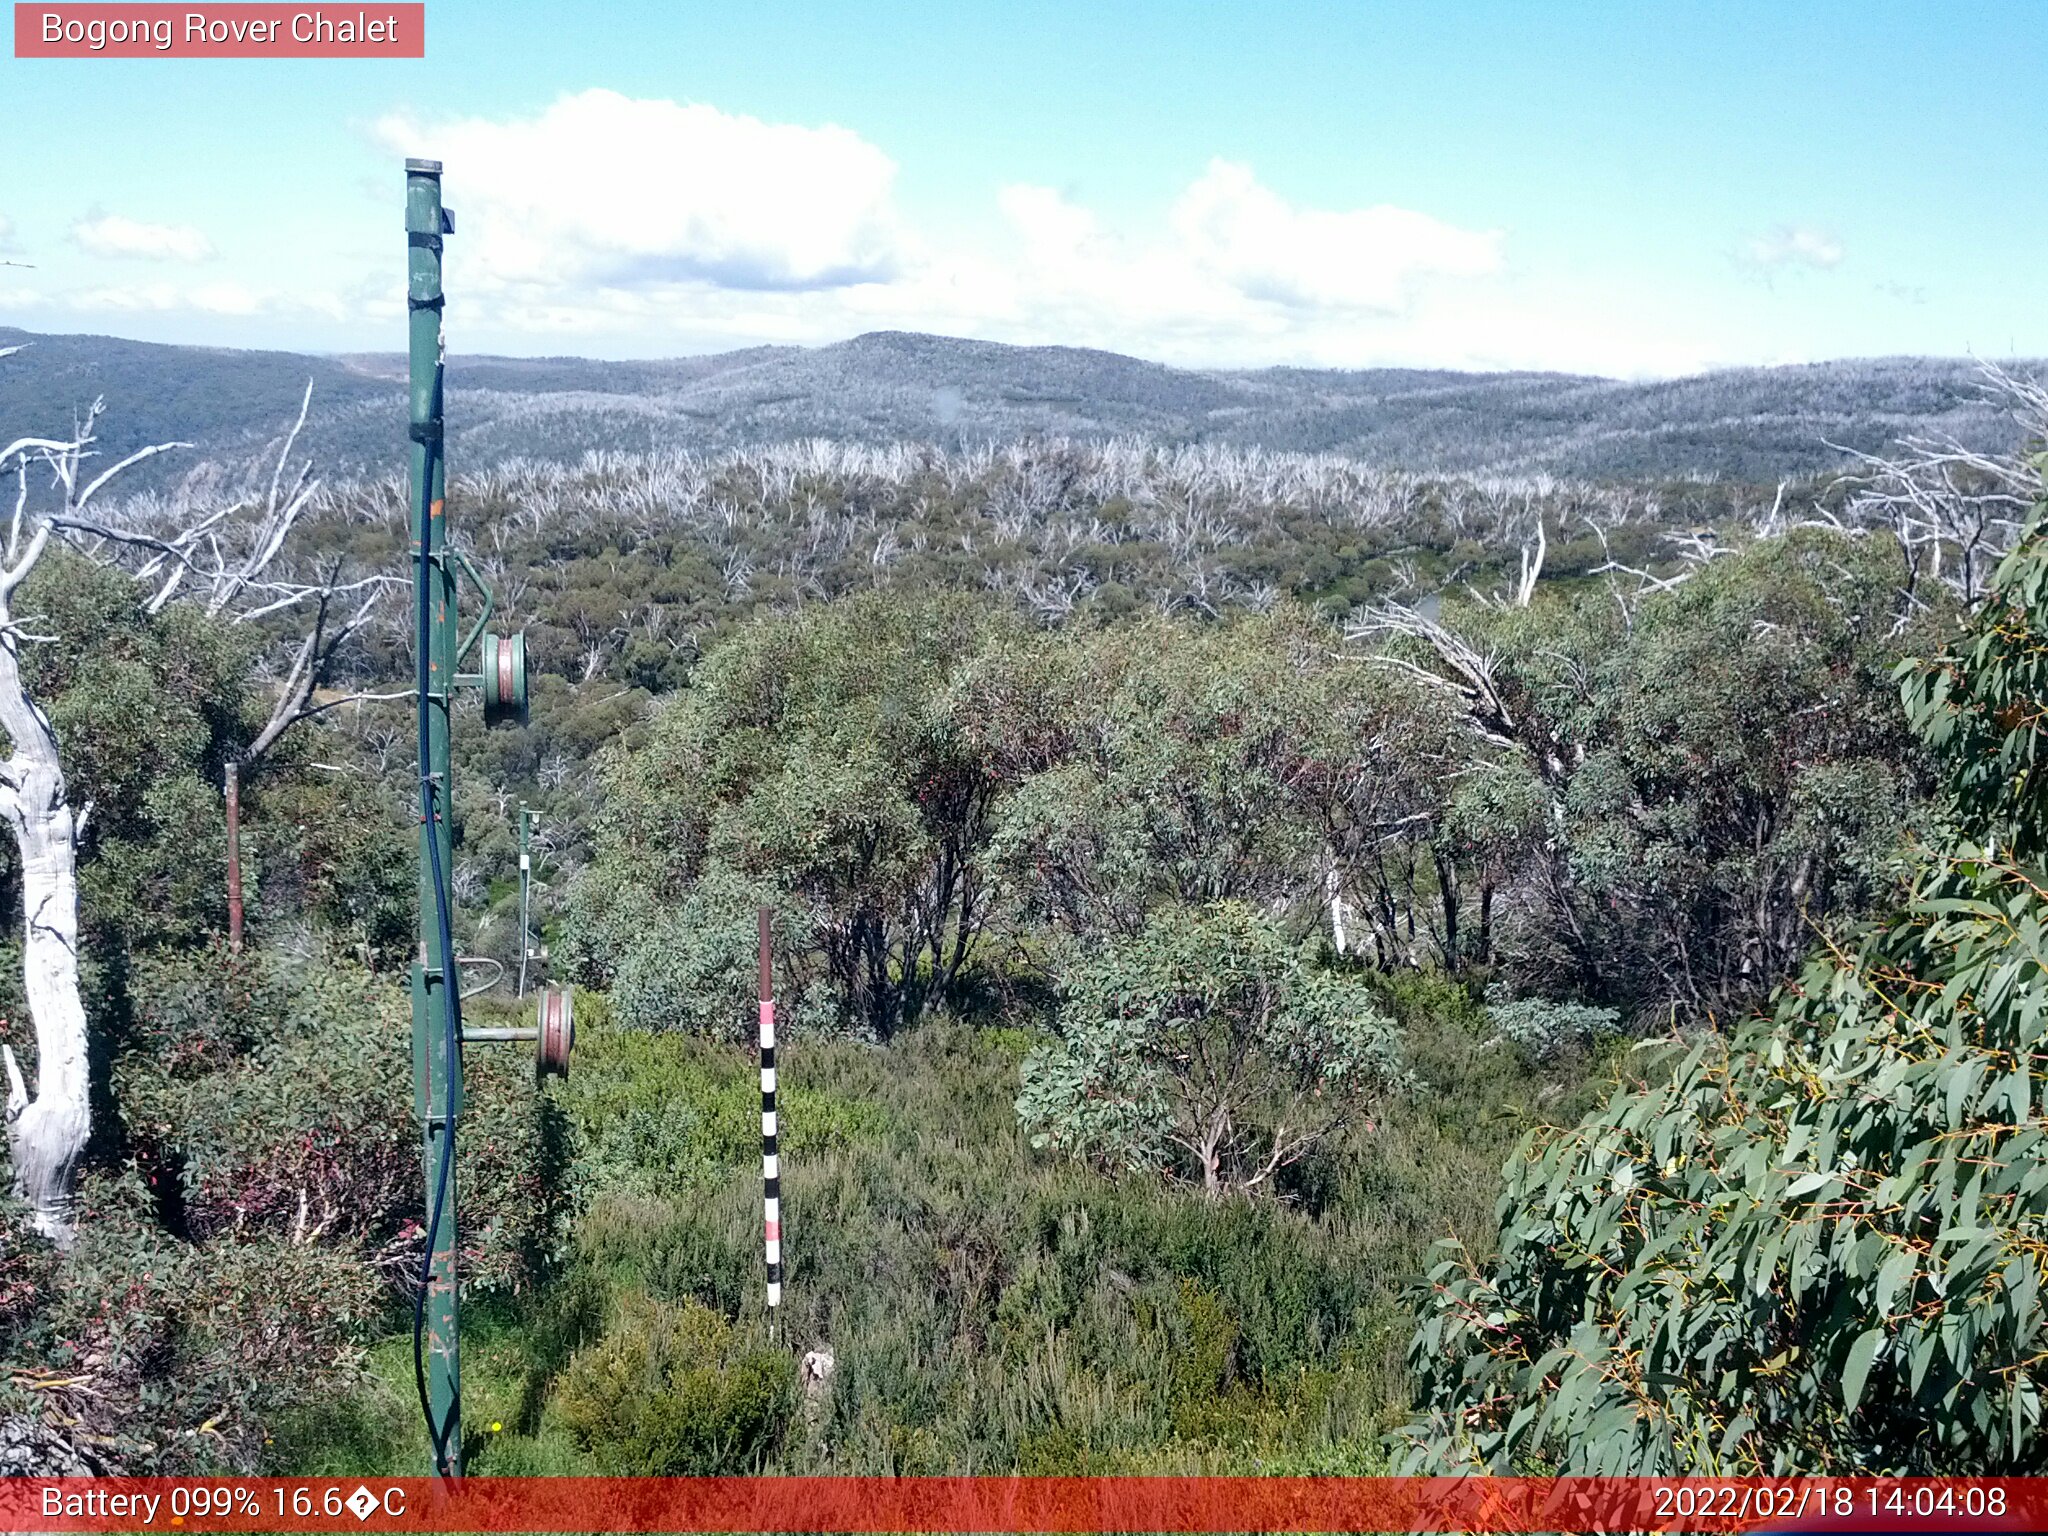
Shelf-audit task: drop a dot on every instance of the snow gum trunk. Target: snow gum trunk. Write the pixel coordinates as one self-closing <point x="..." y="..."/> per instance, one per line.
<point x="46" y="1133"/>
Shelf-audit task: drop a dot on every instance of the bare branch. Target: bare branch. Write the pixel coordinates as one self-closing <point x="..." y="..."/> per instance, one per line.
<point x="128" y="463"/>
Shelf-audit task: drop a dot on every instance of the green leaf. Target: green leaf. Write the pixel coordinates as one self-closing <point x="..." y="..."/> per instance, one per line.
<point x="1897" y="1271"/>
<point x="1856" y="1370"/>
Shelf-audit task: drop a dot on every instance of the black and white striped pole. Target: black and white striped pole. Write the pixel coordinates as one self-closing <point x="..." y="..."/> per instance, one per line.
<point x="771" y="1163"/>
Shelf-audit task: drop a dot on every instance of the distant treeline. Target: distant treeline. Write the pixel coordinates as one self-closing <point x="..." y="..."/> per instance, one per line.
<point x="1746" y="424"/>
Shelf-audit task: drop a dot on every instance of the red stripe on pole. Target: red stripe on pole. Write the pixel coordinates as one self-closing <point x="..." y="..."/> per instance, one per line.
<point x="236" y="31"/>
<point x="774" y="1231"/>
<point x="1006" y="1504"/>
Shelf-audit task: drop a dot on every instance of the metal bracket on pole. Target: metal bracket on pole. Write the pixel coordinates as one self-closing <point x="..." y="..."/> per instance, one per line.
<point x="476" y="630"/>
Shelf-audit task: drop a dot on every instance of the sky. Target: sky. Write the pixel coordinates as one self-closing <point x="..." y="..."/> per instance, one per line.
<point x="1636" y="189"/>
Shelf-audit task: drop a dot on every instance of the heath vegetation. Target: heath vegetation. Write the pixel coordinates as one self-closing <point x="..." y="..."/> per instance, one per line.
<point x="1204" y="879"/>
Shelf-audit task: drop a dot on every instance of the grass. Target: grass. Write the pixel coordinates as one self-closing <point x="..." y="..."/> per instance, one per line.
<point x="990" y="1308"/>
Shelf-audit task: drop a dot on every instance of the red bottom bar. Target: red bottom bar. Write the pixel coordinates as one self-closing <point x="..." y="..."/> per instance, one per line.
<point x="1007" y="1504"/>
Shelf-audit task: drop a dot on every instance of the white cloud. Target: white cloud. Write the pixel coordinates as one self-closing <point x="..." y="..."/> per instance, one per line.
<point x="1312" y="258"/>
<point x="613" y="224"/>
<point x="607" y="191"/>
<point x="110" y="234"/>
<point x="6" y="234"/>
<point x="223" y="298"/>
<point x="1794" y="245"/>
<point x="1236" y="274"/>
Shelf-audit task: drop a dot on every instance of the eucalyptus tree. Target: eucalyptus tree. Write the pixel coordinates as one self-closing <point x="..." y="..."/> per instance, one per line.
<point x="1172" y="762"/>
<point x="222" y="556"/>
<point x="1685" y="784"/>
<point x="1816" y="1245"/>
<point x="1207" y="1047"/>
<point x="819" y="761"/>
<point x="47" y="1131"/>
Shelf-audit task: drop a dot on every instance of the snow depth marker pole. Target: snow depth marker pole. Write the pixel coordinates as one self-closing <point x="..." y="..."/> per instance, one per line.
<point x="771" y="1163"/>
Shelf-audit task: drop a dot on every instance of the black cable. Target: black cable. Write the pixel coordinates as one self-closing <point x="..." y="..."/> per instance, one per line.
<point x="438" y="1434"/>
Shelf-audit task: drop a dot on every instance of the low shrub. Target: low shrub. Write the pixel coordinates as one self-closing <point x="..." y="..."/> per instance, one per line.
<point x="161" y="1356"/>
<point x="1544" y="1030"/>
<point x="272" y="1097"/>
<point x="674" y="1390"/>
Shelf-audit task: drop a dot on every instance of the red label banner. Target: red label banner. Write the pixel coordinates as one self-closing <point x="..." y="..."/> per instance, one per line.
<point x="1018" y="1504"/>
<point x="360" y="31"/>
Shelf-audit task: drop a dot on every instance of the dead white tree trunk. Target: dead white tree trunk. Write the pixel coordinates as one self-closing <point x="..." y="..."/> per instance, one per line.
<point x="1532" y="564"/>
<point x="46" y="1130"/>
<point x="221" y="558"/>
<point x="1333" y="896"/>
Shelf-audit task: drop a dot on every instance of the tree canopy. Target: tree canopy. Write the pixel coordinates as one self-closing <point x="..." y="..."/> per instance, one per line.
<point x="1818" y="1243"/>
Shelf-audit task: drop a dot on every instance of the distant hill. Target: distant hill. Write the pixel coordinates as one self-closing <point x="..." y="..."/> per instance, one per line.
<point x="1748" y="424"/>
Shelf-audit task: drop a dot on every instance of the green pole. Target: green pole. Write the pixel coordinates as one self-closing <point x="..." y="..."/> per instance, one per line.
<point x="436" y="1067"/>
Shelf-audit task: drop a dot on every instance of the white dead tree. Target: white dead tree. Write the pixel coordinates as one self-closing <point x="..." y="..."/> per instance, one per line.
<point x="47" y="1130"/>
<point x="223" y="556"/>
<point x="1532" y="562"/>
<point x="1955" y="510"/>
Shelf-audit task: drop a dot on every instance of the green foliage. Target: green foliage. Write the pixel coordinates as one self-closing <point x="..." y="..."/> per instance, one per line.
<point x="695" y="966"/>
<point x="1207" y="1047"/>
<point x="1544" y="1029"/>
<point x="265" y="1095"/>
<point x="1646" y="814"/>
<point x="264" y="1217"/>
<point x="1981" y="709"/>
<point x="1720" y="772"/>
<point x="674" y="1390"/>
<point x="172" y="1357"/>
<point x="816" y="757"/>
<point x="1165" y="762"/>
<point x="943" y="806"/>
<point x="1819" y="1245"/>
<point x="333" y="849"/>
<point x="145" y="710"/>
<point x="657" y="1112"/>
<point x="992" y="1308"/>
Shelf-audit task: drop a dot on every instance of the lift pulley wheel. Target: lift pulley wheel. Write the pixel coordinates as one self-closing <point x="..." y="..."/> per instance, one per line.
<point x="557" y="1032"/>
<point x="504" y="679"/>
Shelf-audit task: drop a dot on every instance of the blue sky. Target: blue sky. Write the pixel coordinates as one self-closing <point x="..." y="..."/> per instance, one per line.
<point x="1635" y="189"/>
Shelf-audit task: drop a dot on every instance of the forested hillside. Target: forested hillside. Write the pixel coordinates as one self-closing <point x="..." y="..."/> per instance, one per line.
<point x="1201" y="875"/>
<point x="886" y="388"/>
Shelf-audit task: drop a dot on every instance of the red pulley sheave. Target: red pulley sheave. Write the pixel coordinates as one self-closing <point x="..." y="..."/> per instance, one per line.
<point x="504" y="679"/>
<point x="557" y="1033"/>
